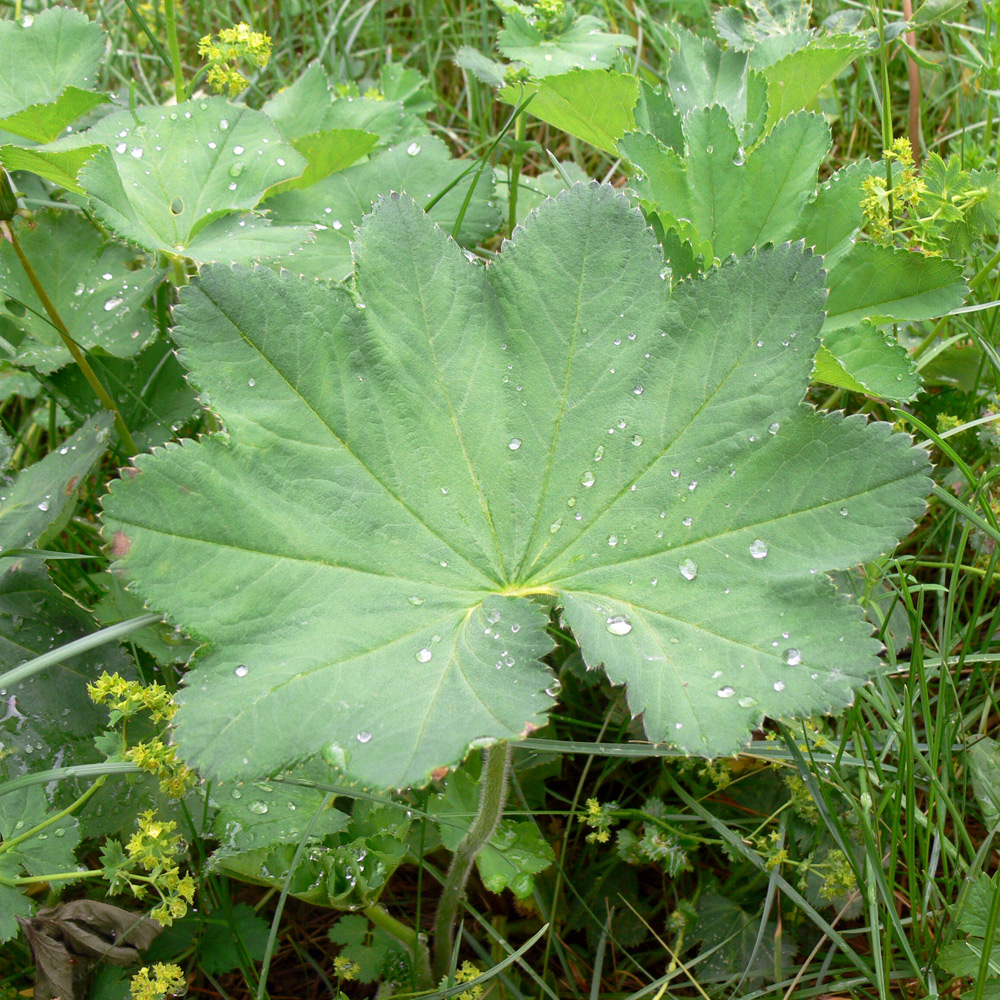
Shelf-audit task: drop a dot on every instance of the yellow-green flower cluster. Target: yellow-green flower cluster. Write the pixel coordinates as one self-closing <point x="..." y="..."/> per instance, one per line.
<point x="229" y="47"/>
<point x="465" y="973"/>
<point x="156" y="757"/>
<point x="601" y="819"/>
<point x="157" y="982"/>
<point x="155" y="847"/>
<point x="907" y="189"/>
<point x="127" y="698"/>
<point x="345" y="968"/>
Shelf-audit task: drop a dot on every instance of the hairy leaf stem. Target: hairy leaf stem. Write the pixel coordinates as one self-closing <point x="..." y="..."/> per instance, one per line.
<point x="415" y="942"/>
<point x="492" y="794"/>
<point x="74" y="349"/>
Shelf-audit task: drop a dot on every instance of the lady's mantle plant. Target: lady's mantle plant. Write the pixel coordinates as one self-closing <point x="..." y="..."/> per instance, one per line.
<point x="418" y="472"/>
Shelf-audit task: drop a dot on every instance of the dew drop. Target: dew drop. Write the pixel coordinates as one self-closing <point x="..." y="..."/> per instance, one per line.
<point x="843" y="512"/>
<point x="43" y="506"/>
<point x="515" y="628"/>
<point x="555" y="525"/>
<point x="260" y="808"/>
<point x="688" y="569"/>
<point x="223" y="124"/>
<point x="793" y="657"/>
<point x="675" y="473"/>
<point x="746" y="701"/>
<point x="493" y="617"/>
<point x="364" y="736"/>
<point x="251" y="382"/>
<point x="774" y="428"/>
<point x="413" y="149"/>
<point x="612" y="540"/>
<point x="693" y="485"/>
<point x="779" y="685"/>
<point x="121" y="147"/>
<point x="619" y="625"/>
<point x="136" y="152"/>
<point x="587" y="479"/>
<point x="416" y="601"/>
<point x="113" y="303"/>
<point x="726" y="692"/>
<point x="638" y="390"/>
<point x="637" y="439"/>
<point x="599" y="453"/>
<point x="515" y="443"/>
<point x="758" y="548"/>
<point x="241" y="670"/>
<point x="424" y="655"/>
<point x="687" y="522"/>
<point x="237" y="150"/>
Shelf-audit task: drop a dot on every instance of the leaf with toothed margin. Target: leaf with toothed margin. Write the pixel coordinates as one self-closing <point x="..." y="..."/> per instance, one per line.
<point x="171" y="178"/>
<point x="94" y="283"/>
<point x="406" y="490"/>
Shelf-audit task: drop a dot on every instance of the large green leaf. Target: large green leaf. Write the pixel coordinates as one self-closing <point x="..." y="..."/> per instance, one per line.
<point x="93" y="282"/>
<point x="167" y="182"/>
<point x="409" y="487"/>
<point x="334" y="206"/>
<point x="735" y="200"/>
<point x="595" y="106"/>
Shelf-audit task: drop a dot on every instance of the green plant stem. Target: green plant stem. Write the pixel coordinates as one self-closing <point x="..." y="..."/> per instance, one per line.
<point x="170" y="15"/>
<point x="514" y="181"/>
<point x="74" y="349"/>
<point x="492" y="794"/>
<point x="417" y="946"/>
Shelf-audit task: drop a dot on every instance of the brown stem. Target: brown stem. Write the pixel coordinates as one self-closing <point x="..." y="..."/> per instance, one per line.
<point x="72" y="346"/>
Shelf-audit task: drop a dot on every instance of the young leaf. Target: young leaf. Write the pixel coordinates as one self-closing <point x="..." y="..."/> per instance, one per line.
<point x="887" y="283"/>
<point x="862" y="359"/>
<point x="335" y="205"/>
<point x="409" y="487"/>
<point x="595" y="106"/>
<point x="40" y="494"/>
<point x="91" y="280"/>
<point x="795" y="80"/>
<point x="48" y="65"/>
<point x="163" y="183"/>
<point x="733" y="199"/>
<point x="581" y="43"/>
<point x="46" y="853"/>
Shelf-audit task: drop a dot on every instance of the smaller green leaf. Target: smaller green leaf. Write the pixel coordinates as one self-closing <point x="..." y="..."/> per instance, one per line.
<point x="581" y="44"/>
<point x="255" y="815"/>
<point x="94" y="283"/>
<point x="326" y="153"/>
<point x="484" y="69"/>
<point x="44" y="54"/>
<point x="862" y="358"/>
<point x="984" y="763"/>
<point x="795" y="81"/>
<point x="336" y="204"/>
<point x="46" y="122"/>
<point x="59" y="164"/>
<point x="48" y="852"/>
<point x="372" y="948"/>
<point x="595" y="106"/>
<point x="227" y="937"/>
<point x="933" y="11"/>
<point x="964" y="958"/>
<point x="833" y="216"/>
<point x="735" y="200"/>
<point x="886" y="283"/>
<point x="163" y="182"/>
<point x="309" y="106"/>
<point x="42" y="491"/>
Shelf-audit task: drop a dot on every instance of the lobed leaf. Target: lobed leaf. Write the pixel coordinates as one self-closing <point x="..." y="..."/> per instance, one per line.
<point x="407" y="488"/>
<point x="94" y="284"/>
